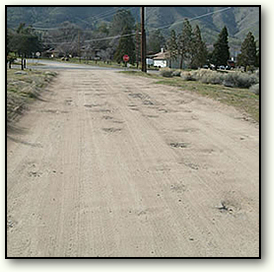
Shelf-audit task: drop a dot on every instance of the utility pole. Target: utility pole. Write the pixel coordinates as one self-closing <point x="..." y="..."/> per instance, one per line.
<point x="137" y="47"/>
<point x="143" y="41"/>
<point x="79" y="48"/>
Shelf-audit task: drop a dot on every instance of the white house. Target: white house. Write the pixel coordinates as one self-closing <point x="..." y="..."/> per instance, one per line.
<point x="162" y="59"/>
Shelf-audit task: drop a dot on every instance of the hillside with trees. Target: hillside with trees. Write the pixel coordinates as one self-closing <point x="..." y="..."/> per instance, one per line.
<point x="238" y="20"/>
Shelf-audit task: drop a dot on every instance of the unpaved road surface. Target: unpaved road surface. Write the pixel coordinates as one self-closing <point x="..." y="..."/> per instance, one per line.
<point x="111" y="165"/>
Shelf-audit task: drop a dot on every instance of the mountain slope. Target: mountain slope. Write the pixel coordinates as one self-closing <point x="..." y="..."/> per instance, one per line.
<point x="239" y="20"/>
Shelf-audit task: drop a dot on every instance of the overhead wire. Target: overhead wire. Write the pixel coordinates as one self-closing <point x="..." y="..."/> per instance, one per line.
<point x="194" y="18"/>
<point x="131" y="34"/>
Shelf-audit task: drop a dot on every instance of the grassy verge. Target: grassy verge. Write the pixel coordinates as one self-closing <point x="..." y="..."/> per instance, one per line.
<point x="241" y="98"/>
<point x="24" y="87"/>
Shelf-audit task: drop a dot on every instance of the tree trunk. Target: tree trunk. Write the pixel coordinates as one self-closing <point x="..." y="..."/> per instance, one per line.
<point x="22" y="63"/>
<point x="181" y="63"/>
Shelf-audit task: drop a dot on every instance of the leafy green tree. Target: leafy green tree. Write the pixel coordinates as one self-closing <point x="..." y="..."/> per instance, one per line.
<point x="172" y="46"/>
<point x="199" y="53"/>
<point x="185" y="43"/>
<point x="220" y="54"/>
<point x="248" y="56"/>
<point x="156" y="41"/>
<point x="126" y="46"/>
<point x="24" y="42"/>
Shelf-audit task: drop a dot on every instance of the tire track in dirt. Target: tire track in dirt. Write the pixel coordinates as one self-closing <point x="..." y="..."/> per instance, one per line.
<point x="112" y="165"/>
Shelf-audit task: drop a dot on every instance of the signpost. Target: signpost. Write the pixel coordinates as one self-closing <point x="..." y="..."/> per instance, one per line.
<point x="38" y="54"/>
<point x="126" y="59"/>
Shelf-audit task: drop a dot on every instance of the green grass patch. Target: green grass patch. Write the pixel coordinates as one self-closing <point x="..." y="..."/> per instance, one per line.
<point x="241" y="98"/>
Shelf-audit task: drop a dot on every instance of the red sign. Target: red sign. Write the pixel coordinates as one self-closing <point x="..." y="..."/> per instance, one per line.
<point x="126" y="58"/>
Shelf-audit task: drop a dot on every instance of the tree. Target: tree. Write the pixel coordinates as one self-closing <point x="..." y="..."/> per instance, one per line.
<point x="185" y="43"/>
<point x="220" y="54"/>
<point x="172" y="46"/>
<point x="156" y="41"/>
<point x="122" y="18"/>
<point x="67" y="35"/>
<point x="248" y="56"/>
<point x="126" y="46"/>
<point x="25" y="42"/>
<point x="199" y="54"/>
<point x="137" y="44"/>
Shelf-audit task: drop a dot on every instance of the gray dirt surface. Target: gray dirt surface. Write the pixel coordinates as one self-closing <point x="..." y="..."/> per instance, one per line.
<point x="110" y="165"/>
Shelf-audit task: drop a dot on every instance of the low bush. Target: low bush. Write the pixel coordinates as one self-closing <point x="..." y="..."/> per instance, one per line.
<point x="231" y="79"/>
<point x="255" y="89"/>
<point x="176" y="73"/>
<point x="188" y="76"/>
<point x="166" y="72"/>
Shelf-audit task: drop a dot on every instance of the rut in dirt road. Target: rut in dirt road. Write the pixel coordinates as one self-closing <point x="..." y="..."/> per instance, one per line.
<point x="109" y="165"/>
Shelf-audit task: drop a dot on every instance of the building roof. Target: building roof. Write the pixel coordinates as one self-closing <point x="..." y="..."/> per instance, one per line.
<point x="161" y="55"/>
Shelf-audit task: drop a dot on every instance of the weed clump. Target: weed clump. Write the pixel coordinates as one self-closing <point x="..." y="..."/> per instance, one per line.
<point x="166" y="72"/>
<point x="255" y="89"/>
<point x="231" y="79"/>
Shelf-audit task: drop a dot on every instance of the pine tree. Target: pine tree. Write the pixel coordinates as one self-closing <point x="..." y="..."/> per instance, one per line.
<point x="126" y="47"/>
<point x="137" y="44"/>
<point x="122" y="18"/>
<point x="185" y="43"/>
<point x="172" y="46"/>
<point x="199" y="53"/>
<point x="156" y="41"/>
<point x="248" y="56"/>
<point x="220" y="54"/>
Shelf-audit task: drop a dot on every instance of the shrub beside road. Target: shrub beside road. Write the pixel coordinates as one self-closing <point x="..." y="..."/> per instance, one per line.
<point x="24" y="87"/>
<point x="244" y="99"/>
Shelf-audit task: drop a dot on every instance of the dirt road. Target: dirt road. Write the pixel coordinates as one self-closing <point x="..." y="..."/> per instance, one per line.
<point x="111" y="165"/>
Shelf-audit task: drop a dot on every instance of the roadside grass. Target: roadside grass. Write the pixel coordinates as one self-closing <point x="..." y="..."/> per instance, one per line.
<point x="23" y="88"/>
<point x="241" y="98"/>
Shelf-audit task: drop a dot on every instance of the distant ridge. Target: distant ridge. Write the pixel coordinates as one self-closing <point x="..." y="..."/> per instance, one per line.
<point x="239" y="20"/>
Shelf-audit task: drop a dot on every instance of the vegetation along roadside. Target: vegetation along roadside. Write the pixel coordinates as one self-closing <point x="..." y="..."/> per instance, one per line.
<point x="244" y="99"/>
<point x="23" y="87"/>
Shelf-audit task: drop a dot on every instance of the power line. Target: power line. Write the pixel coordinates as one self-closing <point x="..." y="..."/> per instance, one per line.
<point x="194" y="18"/>
<point x="114" y="13"/>
<point x="99" y="39"/>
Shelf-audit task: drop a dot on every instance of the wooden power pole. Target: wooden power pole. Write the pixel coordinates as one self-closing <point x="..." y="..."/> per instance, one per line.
<point x="79" y="46"/>
<point x="143" y="41"/>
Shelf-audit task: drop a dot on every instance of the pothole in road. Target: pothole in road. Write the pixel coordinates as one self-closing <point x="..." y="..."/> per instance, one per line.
<point x="91" y="105"/>
<point x="111" y="129"/>
<point x="192" y="165"/>
<point x="186" y="130"/>
<point x="147" y="102"/>
<point x="118" y="122"/>
<point x="106" y="117"/>
<point x="101" y="110"/>
<point x="68" y="101"/>
<point x="134" y="109"/>
<point x="179" y="145"/>
<point x="227" y="206"/>
<point x="35" y="174"/>
<point x="178" y="188"/>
